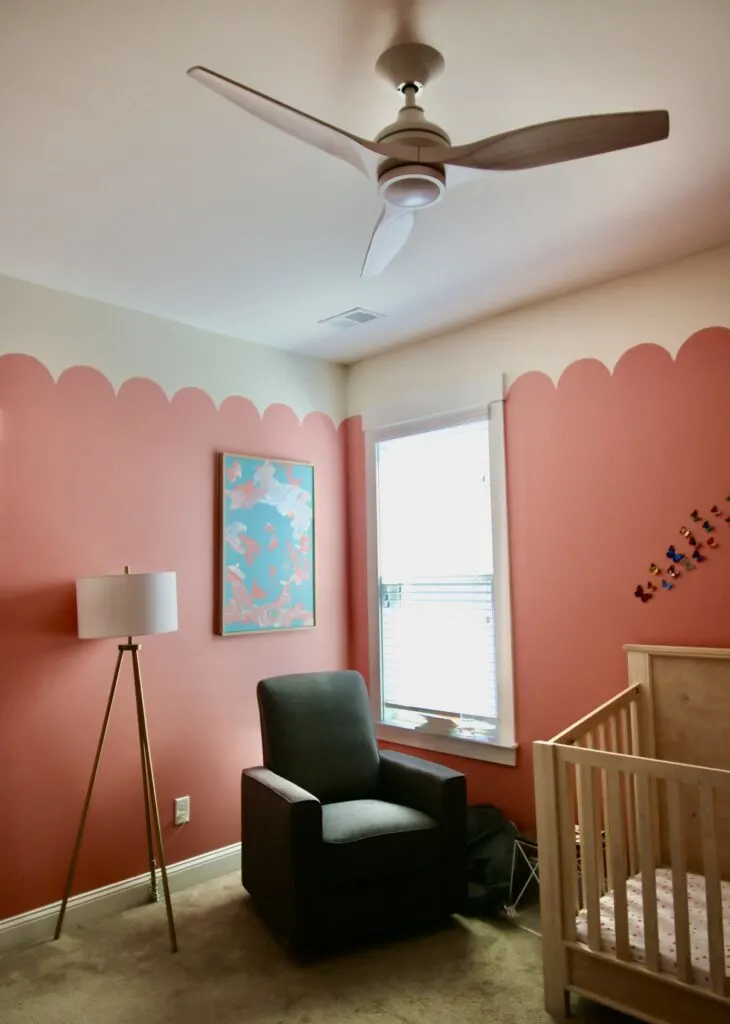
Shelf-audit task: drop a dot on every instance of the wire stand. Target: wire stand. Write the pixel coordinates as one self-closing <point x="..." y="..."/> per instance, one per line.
<point x="527" y="850"/>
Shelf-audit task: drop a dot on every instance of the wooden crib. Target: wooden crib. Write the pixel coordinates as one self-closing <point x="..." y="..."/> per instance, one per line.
<point x="633" y="817"/>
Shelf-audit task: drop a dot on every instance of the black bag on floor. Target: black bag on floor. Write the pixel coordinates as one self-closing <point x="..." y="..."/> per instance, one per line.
<point x="490" y="847"/>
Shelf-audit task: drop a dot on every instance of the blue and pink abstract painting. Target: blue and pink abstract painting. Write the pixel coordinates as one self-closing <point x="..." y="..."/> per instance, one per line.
<point x="267" y="545"/>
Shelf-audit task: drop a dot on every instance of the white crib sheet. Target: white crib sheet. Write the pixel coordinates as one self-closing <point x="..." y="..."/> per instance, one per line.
<point x="665" y="913"/>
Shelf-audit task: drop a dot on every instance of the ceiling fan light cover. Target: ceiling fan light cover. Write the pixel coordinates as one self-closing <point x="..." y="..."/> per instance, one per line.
<point x="412" y="187"/>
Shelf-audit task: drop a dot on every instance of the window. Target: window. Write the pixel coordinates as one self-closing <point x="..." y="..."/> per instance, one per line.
<point x="441" y="592"/>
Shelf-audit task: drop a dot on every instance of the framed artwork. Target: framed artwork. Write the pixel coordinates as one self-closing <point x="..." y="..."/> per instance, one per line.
<point x="266" y="545"/>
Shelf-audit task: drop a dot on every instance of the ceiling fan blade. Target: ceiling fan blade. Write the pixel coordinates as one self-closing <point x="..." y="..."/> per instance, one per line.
<point x="555" y="142"/>
<point x="390" y="235"/>
<point x="362" y="154"/>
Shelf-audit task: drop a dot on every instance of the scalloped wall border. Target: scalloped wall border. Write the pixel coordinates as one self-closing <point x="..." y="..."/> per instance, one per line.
<point x="10" y="360"/>
<point x="664" y="306"/>
<point x="63" y="331"/>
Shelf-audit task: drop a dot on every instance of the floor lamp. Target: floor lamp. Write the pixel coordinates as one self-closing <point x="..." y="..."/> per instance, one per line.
<point x="129" y="605"/>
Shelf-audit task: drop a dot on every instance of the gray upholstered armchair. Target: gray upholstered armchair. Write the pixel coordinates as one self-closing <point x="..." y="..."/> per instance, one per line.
<point x="340" y="840"/>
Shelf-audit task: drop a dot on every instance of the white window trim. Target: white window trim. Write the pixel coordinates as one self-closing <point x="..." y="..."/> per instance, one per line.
<point x="504" y="752"/>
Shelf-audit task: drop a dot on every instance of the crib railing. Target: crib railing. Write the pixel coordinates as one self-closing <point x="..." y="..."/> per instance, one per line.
<point x="608" y="811"/>
<point x="621" y="726"/>
<point x="621" y="790"/>
<point x="620" y="814"/>
<point x="616" y="721"/>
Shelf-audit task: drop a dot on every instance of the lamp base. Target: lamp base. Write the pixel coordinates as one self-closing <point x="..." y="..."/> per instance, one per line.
<point x="152" y="812"/>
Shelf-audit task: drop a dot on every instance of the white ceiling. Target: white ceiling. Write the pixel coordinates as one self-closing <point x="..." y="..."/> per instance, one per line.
<point x="123" y="180"/>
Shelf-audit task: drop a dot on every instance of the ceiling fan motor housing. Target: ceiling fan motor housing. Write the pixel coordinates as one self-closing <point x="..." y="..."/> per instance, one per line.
<point x="412" y="186"/>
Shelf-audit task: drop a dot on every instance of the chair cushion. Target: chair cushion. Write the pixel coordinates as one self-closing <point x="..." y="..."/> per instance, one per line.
<point x="317" y="731"/>
<point x="372" y="838"/>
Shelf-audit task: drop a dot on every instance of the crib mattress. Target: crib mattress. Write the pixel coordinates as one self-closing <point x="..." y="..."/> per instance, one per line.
<point x="665" y="914"/>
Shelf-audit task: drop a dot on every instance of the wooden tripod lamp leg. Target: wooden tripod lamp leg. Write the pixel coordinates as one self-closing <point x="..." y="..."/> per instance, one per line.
<point x="146" y="774"/>
<point x="87" y="801"/>
<point x="147" y="757"/>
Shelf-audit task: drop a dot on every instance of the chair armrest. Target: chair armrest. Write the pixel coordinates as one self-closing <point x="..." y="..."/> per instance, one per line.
<point x="440" y="793"/>
<point x="278" y="786"/>
<point x="423" y="785"/>
<point x="281" y="826"/>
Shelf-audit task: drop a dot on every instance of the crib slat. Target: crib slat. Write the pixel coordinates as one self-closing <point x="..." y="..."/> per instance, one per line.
<point x="568" y="858"/>
<point x="678" y="861"/>
<point x="588" y="854"/>
<point x="642" y="726"/>
<point x="612" y="734"/>
<point x="602" y="745"/>
<point x="581" y="837"/>
<point x="629" y="800"/>
<point x="617" y="862"/>
<point x="648" y="874"/>
<point x="614" y="747"/>
<point x="592" y="744"/>
<point x="636" y="750"/>
<point x="635" y="732"/>
<point x="713" y="891"/>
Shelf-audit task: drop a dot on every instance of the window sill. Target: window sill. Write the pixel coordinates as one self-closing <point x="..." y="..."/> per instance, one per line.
<point x="477" y="750"/>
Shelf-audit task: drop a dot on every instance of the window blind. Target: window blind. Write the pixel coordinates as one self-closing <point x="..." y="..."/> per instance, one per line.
<point x="438" y="646"/>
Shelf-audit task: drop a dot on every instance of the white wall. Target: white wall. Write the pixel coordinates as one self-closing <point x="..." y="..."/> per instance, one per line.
<point x="664" y="305"/>
<point x="63" y="330"/>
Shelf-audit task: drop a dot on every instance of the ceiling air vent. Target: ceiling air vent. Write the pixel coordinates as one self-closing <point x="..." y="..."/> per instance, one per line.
<point x="351" y="318"/>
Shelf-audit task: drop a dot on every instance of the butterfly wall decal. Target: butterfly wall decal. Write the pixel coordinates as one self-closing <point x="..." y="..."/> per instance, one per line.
<point x="679" y="557"/>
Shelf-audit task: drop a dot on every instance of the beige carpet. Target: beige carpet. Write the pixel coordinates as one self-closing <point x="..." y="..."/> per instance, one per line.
<point x="229" y="970"/>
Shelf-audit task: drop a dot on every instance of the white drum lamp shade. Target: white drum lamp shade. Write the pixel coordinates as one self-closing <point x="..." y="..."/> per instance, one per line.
<point x="133" y="604"/>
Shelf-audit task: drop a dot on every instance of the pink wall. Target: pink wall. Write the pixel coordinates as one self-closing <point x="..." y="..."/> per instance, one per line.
<point x="602" y="471"/>
<point x="91" y="481"/>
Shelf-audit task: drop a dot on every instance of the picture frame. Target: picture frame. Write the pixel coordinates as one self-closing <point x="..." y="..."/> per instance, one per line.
<point x="266" y="545"/>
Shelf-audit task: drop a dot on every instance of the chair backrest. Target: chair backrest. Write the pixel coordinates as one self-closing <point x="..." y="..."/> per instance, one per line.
<point x="317" y="731"/>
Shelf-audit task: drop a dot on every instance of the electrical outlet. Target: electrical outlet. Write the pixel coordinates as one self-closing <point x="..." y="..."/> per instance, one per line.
<point x="182" y="810"/>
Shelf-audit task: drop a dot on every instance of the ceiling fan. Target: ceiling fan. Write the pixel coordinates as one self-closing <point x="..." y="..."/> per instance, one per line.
<point x="412" y="160"/>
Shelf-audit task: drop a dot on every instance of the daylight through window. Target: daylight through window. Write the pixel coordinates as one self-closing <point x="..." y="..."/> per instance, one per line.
<point x="435" y="553"/>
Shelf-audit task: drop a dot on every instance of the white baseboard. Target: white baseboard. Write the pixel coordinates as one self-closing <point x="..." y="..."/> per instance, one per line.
<point x="39" y="925"/>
